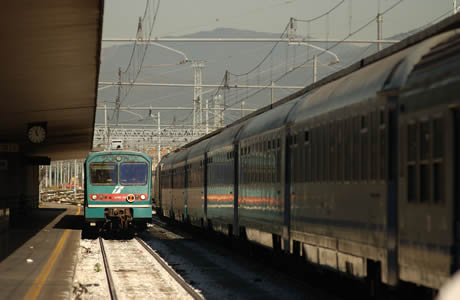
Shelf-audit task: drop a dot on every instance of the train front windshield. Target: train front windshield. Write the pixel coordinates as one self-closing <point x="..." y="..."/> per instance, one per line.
<point x="133" y="173"/>
<point x="104" y="173"/>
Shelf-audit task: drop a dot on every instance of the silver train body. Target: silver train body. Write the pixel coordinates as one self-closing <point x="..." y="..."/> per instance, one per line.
<point x="360" y="173"/>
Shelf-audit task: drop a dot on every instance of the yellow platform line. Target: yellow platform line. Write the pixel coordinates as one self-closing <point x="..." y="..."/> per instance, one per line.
<point x="36" y="287"/>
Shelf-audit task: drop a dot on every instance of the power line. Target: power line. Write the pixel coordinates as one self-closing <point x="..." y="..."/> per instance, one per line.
<point x="327" y="49"/>
<point x="322" y="15"/>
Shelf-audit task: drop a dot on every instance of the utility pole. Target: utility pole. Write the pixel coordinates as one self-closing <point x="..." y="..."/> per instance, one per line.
<point x="117" y="100"/>
<point x="106" y="131"/>
<point x="207" y="116"/>
<point x="455" y="6"/>
<point x="159" y="138"/>
<point x="379" y="30"/>
<point x="292" y="29"/>
<point x="197" y="94"/>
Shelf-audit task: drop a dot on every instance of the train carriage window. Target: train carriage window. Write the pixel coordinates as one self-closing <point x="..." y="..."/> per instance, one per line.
<point x="438" y="153"/>
<point x="438" y="180"/>
<point x="411" y="184"/>
<point x="104" y="173"/>
<point x="326" y="152"/>
<point x="382" y="117"/>
<point x="425" y="140"/>
<point x="307" y="160"/>
<point x="424" y="183"/>
<point x="412" y="162"/>
<point x="364" y="148"/>
<point x="374" y="145"/>
<point x="382" y="146"/>
<point x="438" y="133"/>
<point x="307" y="136"/>
<point x="320" y="153"/>
<point x="356" y="148"/>
<point x="340" y="152"/>
<point x="313" y="155"/>
<point x="412" y="143"/>
<point x="332" y="155"/>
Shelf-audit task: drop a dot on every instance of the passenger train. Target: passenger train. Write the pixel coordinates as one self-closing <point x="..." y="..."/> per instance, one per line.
<point x="117" y="190"/>
<point x="359" y="173"/>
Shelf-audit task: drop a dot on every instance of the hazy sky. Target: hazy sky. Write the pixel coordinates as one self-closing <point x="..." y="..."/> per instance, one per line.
<point x="178" y="17"/>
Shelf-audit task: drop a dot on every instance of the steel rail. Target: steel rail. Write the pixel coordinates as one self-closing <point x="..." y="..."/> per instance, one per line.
<point x="113" y="293"/>
<point x="171" y="272"/>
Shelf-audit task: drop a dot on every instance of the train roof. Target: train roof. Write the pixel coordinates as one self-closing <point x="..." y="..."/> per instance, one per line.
<point x="167" y="160"/>
<point x="384" y="75"/>
<point x="225" y="138"/>
<point x="356" y="87"/>
<point x="271" y="119"/>
<point x="117" y="152"/>
<point x="341" y="76"/>
<point x="442" y="60"/>
<point x="197" y="149"/>
<point x="179" y="157"/>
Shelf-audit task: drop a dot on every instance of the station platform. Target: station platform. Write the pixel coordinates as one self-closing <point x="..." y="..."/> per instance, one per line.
<point x="38" y="253"/>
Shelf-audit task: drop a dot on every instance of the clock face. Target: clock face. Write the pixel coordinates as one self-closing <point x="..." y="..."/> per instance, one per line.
<point x="36" y="134"/>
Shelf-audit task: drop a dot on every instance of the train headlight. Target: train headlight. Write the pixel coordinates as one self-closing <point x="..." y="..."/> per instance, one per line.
<point x="93" y="197"/>
<point x="142" y="197"/>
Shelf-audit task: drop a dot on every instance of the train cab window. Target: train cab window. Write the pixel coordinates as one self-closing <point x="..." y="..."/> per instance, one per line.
<point x="104" y="173"/>
<point x="133" y="173"/>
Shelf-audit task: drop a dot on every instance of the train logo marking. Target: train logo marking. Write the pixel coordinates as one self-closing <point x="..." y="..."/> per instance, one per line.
<point x="117" y="189"/>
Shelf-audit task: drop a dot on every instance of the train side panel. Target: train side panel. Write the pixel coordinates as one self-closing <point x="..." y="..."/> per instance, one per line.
<point x="429" y="167"/>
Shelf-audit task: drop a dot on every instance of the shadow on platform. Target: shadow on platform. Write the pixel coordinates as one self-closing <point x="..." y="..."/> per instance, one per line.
<point x="23" y="226"/>
<point x="71" y="222"/>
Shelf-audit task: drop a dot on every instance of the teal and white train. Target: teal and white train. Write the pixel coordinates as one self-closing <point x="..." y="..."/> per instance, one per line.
<point x="117" y="190"/>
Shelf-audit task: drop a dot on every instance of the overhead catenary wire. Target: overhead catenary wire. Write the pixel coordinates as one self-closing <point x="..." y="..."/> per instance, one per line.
<point x="322" y="15"/>
<point x="138" y="53"/>
<point x="332" y="47"/>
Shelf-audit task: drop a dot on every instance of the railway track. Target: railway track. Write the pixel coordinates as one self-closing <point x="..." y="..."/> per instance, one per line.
<point x="134" y="270"/>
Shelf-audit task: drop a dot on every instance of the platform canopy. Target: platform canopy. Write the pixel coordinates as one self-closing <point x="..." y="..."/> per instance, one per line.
<point x="50" y="54"/>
